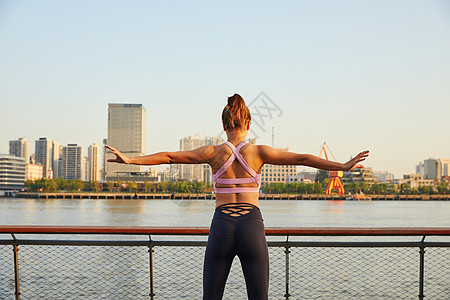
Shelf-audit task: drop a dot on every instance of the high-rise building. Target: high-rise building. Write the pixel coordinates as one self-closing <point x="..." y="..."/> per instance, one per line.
<point x="12" y="172"/>
<point x="443" y="167"/>
<point x="43" y="156"/>
<point x="434" y="168"/>
<point x="196" y="172"/>
<point x="126" y="133"/>
<point x="93" y="163"/>
<point x="277" y="173"/>
<point x="20" y="148"/>
<point x="431" y="168"/>
<point x="47" y="153"/>
<point x="70" y="163"/>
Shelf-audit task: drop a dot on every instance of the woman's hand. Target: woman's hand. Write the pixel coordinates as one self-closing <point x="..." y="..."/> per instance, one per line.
<point x="120" y="157"/>
<point x="353" y="163"/>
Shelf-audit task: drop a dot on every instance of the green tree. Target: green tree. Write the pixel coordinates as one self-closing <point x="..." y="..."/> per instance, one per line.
<point x="119" y="185"/>
<point x="199" y="187"/>
<point x="110" y="186"/>
<point x="87" y="186"/>
<point x="131" y="186"/>
<point x="62" y="184"/>
<point x="95" y="186"/>
<point x="40" y="184"/>
<point x="161" y="186"/>
<point x="147" y="186"/>
<point x="53" y="185"/>
<point x="442" y="188"/>
<point x="321" y="175"/>
<point x="75" y="185"/>
<point x="325" y="183"/>
<point x="404" y="188"/>
<point x="170" y="187"/>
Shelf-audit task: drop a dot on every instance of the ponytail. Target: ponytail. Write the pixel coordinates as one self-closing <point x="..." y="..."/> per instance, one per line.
<point x="236" y="114"/>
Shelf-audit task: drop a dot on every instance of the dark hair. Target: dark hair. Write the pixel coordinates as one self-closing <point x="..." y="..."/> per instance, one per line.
<point x="236" y="114"/>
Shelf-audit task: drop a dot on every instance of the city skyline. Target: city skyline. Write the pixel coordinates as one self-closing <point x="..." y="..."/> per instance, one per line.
<point x="358" y="75"/>
<point x="430" y="168"/>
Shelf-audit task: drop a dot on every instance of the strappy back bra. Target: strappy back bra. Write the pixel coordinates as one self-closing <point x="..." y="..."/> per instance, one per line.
<point x="232" y="190"/>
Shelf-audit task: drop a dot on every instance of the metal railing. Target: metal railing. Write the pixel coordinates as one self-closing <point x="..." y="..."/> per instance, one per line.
<point x="90" y="262"/>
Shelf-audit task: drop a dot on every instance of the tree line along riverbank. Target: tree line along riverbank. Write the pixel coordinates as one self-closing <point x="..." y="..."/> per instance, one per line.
<point x="186" y="187"/>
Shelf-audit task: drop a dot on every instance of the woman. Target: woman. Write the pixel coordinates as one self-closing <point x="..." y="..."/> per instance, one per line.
<point x="237" y="227"/>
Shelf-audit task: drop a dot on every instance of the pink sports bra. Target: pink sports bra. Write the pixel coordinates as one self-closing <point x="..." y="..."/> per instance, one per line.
<point x="236" y="155"/>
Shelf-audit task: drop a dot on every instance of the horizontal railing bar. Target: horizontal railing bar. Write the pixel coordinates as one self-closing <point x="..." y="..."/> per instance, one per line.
<point x="359" y="244"/>
<point x="203" y="243"/>
<point x="270" y="231"/>
<point x="74" y="243"/>
<point x="102" y="243"/>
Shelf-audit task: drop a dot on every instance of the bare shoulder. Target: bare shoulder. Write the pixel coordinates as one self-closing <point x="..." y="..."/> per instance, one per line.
<point x="264" y="150"/>
<point x="207" y="151"/>
<point x="257" y="153"/>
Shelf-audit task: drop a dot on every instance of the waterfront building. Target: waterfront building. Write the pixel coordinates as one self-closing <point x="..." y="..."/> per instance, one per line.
<point x="20" y="148"/>
<point x="138" y="177"/>
<point x="33" y="172"/>
<point x="414" y="181"/>
<point x="306" y="176"/>
<point x="360" y="175"/>
<point x="12" y="172"/>
<point x="93" y="163"/>
<point x="70" y="163"/>
<point x="279" y="174"/>
<point x="434" y="168"/>
<point x="383" y="176"/>
<point x="126" y="133"/>
<point x="196" y="172"/>
<point x="47" y="153"/>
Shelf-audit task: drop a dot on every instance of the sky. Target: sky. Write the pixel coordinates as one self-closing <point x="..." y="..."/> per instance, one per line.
<point x="355" y="74"/>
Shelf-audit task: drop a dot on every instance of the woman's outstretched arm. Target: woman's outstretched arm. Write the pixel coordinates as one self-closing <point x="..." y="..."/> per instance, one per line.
<point x="278" y="157"/>
<point x="197" y="156"/>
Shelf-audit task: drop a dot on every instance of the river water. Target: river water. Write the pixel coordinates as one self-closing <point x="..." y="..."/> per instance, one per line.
<point x="306" y="213"/>
<point x="58" y="272"/>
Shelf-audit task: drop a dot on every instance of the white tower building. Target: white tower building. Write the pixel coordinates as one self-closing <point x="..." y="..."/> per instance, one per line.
<point x="20" y="148"/>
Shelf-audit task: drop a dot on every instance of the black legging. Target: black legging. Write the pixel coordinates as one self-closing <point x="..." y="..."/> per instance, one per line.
<point x="243" y="236"/>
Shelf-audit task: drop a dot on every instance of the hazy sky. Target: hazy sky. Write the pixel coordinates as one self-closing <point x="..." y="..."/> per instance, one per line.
<point x="357" y="74"/>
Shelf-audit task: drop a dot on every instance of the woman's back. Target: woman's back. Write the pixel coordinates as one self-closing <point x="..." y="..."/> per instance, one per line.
<point x="236" y="171"/>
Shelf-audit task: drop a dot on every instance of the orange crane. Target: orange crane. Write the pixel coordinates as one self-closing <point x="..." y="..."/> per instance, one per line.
<point x="335" y="181"/>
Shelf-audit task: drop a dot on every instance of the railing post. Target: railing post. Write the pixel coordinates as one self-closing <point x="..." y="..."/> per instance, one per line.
<point x="150" y="251"/>
<point x="422" y="268"/>
<point x="287" y="251"/>
<point x="16" y="267"/>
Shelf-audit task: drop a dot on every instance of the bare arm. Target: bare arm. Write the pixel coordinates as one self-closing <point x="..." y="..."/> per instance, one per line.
<point x="197" y="156"/>
<point x="278" y="157"/>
